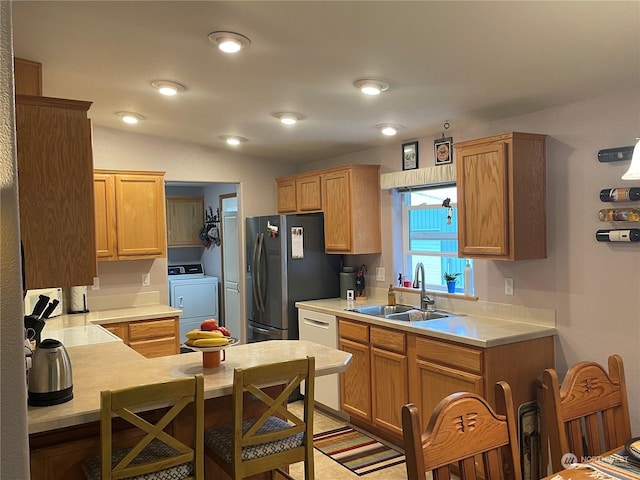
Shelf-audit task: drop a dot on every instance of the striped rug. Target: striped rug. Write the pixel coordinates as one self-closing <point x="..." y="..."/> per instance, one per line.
<point x="356" y="451"/>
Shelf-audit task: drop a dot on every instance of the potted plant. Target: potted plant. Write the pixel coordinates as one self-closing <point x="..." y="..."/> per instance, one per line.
<point x="450" y="278"/>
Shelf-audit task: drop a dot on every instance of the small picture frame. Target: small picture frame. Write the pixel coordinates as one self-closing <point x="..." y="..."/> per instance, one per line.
<point x="442" y="151"/>
<point x="410" y="155"/>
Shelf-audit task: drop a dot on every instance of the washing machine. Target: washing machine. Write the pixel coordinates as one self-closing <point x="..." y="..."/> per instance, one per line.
<point x="195" y="293"/>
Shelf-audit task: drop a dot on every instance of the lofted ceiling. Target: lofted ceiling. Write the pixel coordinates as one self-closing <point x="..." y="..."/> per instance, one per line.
<point x="461" y="62"/>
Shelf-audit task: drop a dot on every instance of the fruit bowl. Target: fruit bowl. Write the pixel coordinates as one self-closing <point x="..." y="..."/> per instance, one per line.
<point x="232" y="342"/>
<point x="211" y="357"/>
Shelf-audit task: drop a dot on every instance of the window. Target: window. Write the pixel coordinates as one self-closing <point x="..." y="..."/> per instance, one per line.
<point x="428" y="238"/>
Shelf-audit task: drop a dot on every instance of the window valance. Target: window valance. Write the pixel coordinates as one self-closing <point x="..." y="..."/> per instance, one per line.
<point x="419" y="177"/>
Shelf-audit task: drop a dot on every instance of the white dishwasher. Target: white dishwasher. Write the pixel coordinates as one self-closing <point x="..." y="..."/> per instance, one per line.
<point x="323" y="329"/>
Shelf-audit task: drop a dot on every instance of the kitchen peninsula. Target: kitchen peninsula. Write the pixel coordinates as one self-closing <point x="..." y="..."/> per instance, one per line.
<point x="62" y="435"/>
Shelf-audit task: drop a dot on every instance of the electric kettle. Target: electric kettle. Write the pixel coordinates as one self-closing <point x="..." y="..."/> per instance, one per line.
<point x="50" y="381"/>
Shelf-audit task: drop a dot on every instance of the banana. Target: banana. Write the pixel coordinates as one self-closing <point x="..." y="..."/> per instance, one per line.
<point x="195" y="334"/>
<point x="208" y="342"/>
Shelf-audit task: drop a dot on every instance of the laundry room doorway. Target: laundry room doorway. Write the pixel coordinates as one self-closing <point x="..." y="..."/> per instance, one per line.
<point x="231" y="264"/>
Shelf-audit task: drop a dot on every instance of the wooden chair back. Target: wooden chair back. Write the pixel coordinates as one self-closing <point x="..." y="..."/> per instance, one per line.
<point x="466" y="434"/>
<point x="124" y="403"/>
<point x="249" y="385"/>
<point x="589" y="414"/>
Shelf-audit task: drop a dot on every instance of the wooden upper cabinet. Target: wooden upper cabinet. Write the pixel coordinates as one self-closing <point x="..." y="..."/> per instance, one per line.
<point x="136" y="201"/>
<point x="286" y="195"/>
<point x="308" y="198"/>
<point x="185" y="218"/>
<point x="28" y="77"/>
<point x="501" y="197"/>
<point x="351" y="206"/>
<point x="55" y="172"/>
<point x="299" y="194"/>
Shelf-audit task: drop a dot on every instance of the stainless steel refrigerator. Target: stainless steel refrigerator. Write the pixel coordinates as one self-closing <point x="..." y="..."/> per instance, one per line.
<point x="286" y="263"/>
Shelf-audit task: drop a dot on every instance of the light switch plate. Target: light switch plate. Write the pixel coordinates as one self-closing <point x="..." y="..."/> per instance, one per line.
<point x="146" y="279"/>
<point x="96" y="283"/>
<point x="508" y="286"/>
<point x="380" y="274"/>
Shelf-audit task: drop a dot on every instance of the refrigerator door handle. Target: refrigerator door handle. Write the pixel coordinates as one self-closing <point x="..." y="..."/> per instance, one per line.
<point x="261" y="330"/>
<point x="255" y="278"/>
<point x="261" y="259"/>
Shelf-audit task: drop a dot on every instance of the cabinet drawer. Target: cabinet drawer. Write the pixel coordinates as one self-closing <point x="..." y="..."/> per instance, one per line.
<point x="152" y="329"/>
<point x="447" y="354"/>
<point x="388" y="339"/>
<point x="159" y="347"/>
<point x="354" y="331"/>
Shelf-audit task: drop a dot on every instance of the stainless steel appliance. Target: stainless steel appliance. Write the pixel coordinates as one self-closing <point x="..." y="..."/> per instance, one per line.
<point x="50" y="376"/>
<point x="286" y="263"/>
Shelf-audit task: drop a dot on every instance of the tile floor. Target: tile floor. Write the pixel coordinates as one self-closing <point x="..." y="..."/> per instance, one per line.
<point x="327" y="469"/>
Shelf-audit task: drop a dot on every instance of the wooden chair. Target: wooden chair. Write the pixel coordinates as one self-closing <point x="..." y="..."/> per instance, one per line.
<point x="268" y="443"/>
<point x="464" y="426"/>
<point x="589" y="414"/>
<point x="157" y="454"/>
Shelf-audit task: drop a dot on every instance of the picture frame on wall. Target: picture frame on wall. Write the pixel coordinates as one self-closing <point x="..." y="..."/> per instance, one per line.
<point x="410" y="155"/>
<point x="443" y="151"/>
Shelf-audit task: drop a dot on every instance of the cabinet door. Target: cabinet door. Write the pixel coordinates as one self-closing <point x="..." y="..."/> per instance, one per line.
<point x="483" y="200"/>
<point x="286" y="196"/>
<point x="437" y="381"/>
<point x="308" y="197"/>
<point x="105" y="216"/>
<point x="185" y="217"/>
<point x="336" y="188"/>
<point x="389" y="388"/>
<point x="355" y="382"/>
<point x="119" y="329"/>
<point x="55" y="179"/>
<point x="140" y="216"/>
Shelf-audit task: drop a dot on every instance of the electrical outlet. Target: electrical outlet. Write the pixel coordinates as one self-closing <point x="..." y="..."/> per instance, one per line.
<point x="146" y="279"/>
<point x="96" y="283"/>
<point x="508" y="286"/>
<point x="380" y="274"/>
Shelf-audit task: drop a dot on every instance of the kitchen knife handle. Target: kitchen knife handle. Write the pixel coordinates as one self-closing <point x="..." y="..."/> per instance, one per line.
<point x="40" y="306"/>
<point x="49" y="310"/>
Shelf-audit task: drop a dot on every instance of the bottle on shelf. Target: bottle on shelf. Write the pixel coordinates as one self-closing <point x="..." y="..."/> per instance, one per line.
<point x="630" y="235"/>
<point x="391" y="296"/>
<point x="620" y="194"/>
<point x="467" y="279"/>
<point x="619" y="215"/>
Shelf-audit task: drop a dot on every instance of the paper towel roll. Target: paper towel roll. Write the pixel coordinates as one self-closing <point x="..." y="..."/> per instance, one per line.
<point x="79" y="300"/>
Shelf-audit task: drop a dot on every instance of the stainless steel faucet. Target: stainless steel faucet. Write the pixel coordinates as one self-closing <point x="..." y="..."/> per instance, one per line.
<point x="425" y="300"/>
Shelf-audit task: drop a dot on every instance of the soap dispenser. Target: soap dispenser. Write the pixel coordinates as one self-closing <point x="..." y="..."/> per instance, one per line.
<point x="391" y="296"/>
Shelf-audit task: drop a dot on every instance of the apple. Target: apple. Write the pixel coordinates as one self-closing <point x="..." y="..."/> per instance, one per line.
<point x="225" y="331"/>
<point x="209" y="325"/>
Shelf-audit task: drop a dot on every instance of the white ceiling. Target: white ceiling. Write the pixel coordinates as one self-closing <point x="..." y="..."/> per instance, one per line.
<point x="462" y="62"/>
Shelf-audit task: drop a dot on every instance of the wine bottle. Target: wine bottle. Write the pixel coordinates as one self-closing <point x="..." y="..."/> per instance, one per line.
<point x="630" y="235"/>
<point x="619" y="215"/>
<point x="620" y="194"/>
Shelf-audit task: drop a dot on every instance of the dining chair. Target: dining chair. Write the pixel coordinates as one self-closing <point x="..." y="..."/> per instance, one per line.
<point x="157" y="455"/>
<point x="465" y="435"/>
<point x="589" y="414"/>
<point x="277" y="437"/>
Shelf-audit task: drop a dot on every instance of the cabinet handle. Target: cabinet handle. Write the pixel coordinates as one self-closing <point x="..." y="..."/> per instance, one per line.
<point x="316" y="323"/>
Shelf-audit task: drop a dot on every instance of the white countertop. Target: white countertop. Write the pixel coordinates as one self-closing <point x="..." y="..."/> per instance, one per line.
<point x="109" y="366"/>
<point x="467" y="329"/>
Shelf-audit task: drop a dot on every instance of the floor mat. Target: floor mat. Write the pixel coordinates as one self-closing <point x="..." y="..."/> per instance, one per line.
<point x="356" y="451"/>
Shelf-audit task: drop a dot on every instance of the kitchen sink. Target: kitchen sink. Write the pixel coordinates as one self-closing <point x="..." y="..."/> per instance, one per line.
<point x="404" y="313"/>
<point x="383" y="310"/>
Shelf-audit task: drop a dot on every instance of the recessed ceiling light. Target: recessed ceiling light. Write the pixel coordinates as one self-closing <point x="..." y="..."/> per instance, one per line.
<point x="288" y="118"/>
<point x="389" y="129"/>
<point x="168" y="88"/>
<point x="229" y="42"/>
<point x="233" y="139"/>
<point x="130" y="117"/>
<point x="371" y="87"/>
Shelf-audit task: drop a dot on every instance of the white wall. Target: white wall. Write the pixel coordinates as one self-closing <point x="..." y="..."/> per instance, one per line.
<point x="14" y="448"/>
<point x="593" y="287"/>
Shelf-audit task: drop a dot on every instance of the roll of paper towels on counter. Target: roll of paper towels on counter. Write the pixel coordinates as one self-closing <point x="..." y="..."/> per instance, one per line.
<point x="79" y="300"/>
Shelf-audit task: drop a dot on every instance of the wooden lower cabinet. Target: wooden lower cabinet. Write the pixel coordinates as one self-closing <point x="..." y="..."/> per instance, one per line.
<point x="151" y="338"/>
<point x="391" y="368"/>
